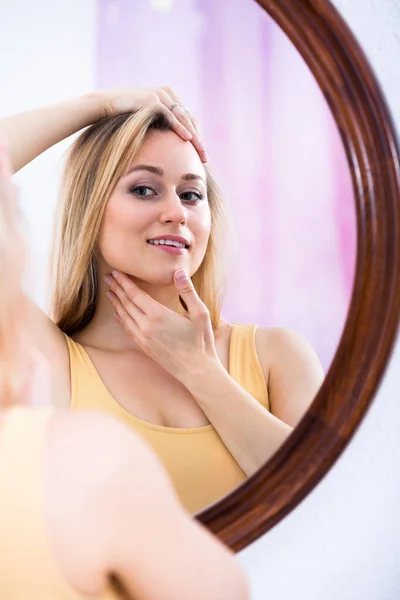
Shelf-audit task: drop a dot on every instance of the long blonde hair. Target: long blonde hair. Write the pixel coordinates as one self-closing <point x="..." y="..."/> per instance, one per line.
<point x="97" y="160"/>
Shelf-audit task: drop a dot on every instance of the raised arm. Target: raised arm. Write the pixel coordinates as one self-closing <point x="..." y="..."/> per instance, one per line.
<point x="32" y="132"/>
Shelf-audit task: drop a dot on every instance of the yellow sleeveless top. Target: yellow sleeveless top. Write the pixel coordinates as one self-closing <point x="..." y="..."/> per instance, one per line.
<point x="199" y="464"/>
<point x="27" y="566"/>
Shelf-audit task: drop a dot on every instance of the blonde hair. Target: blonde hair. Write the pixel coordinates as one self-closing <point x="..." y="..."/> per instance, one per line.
<point x="97" y="160"/>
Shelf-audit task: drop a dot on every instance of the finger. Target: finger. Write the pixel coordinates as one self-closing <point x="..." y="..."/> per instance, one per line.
<point x="180" y="115"/>
<point x="175" y="98"/>
<point x="117" y="295"/>
<point x="186" y="119"/>
<point x="125" y="319"/>
<point x="187" y="291"/>
<point x="166" y="103"/>
<point x="138" y="297"/>
<point x="194" y="126"/>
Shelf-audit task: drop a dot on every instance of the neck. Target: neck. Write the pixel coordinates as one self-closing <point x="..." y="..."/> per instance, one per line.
<point x="105" y="332"/>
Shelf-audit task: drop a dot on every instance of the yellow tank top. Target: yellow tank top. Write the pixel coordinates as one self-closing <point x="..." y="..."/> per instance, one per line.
<point x="27" y="566"/>
<point x="199" y="464"/>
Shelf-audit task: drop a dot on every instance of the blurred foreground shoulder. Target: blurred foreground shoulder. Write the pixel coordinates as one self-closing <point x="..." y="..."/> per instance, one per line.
<point x="140" y="529"/>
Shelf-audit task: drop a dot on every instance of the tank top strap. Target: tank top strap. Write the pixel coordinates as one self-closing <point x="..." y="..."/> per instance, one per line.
<point x="244" y="364"/>
<point x="87" y="389"/>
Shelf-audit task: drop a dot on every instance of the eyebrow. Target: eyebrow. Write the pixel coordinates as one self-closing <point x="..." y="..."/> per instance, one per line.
<point x="159" y="171"/>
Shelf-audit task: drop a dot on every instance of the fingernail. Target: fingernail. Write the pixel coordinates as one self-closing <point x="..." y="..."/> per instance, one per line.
<point x="181" y="275"/>
<point x="205" y="156"/>
<point x="109" y="295"/>
<point x="187" y="135"/>
<point x="107" y="279"/>
<point x="118" y="318"/>
<point x="115" y="274"/>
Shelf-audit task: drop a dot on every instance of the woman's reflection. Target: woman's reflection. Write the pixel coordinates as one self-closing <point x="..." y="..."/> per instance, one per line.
<point x="86" y="509"/>
<point x="137" y="295"/>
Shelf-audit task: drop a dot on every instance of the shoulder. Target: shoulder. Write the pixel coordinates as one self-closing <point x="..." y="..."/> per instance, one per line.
<point x="125" y="517"/>
<point x="103" y="489"/>
<point x="101" y="477"/>
<point x="275" y="344"/>
<point x="98" y="447"/>
<point x="292" y="370"/>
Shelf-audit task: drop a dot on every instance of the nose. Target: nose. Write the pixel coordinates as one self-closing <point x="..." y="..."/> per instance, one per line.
<point x="173" y="211"/>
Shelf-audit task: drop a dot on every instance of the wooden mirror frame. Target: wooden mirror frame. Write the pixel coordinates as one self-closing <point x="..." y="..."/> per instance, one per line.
<point x="357" y="103"/>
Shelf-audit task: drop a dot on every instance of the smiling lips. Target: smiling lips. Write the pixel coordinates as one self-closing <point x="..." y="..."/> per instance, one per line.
<point x="173" y="244"/>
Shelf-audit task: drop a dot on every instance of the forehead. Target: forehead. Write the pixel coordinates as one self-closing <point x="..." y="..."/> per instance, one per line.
<point x="167" y="150"/>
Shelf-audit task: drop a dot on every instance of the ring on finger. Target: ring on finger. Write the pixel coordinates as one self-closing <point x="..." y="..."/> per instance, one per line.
<point x="175" y="104"/>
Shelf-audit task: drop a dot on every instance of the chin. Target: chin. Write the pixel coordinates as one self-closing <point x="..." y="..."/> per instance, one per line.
<point x="160" y="279"/>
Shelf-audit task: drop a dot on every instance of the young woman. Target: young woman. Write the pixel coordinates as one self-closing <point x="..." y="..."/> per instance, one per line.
<point x="137" y="329"/>
<point x="86" y="510"/>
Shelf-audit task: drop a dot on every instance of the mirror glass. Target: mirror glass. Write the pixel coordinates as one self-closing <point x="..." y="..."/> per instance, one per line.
<point x="289" y="245"/>
<point x="274" y="150"/>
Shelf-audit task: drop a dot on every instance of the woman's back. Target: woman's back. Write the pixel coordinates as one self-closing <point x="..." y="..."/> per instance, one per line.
<point x="84" y="504"/>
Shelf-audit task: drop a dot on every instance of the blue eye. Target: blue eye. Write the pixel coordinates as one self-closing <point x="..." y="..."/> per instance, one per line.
<point x="141" y="191"/>
<point x="197" y="197"/>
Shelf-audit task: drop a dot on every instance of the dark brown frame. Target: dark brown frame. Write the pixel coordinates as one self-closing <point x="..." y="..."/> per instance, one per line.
<point x="358" y="105"/>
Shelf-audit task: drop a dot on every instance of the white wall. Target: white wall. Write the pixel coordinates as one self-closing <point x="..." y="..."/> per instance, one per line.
<point x="47" y="51"/>
<point x="343" y="541"/>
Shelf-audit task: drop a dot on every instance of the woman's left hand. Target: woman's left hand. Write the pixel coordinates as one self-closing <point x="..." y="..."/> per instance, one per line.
<point x="179" y="343"/>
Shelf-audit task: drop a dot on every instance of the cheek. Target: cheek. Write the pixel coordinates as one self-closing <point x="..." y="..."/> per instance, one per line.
<point x="117" y="216"/>
<point x="117" y="232"/>
<point x="122" y="223"/>
<point x="202" y="227"/>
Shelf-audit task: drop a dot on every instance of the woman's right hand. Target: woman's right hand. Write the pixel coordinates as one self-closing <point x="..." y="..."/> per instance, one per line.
<point x="122" y="100"/>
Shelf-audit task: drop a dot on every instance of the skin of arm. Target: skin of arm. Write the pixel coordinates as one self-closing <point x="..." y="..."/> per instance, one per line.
<point x="121" y="517"/>
<point x="252" y="434"/>
<point x="30" y="133"/>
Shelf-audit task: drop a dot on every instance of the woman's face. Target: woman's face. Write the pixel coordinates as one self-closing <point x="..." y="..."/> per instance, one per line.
<point x="158" y="217"/>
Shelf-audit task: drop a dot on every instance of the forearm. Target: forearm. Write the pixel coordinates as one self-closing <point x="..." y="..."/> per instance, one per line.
<point x="248" y="430"/>
<point x="30" y="133"/>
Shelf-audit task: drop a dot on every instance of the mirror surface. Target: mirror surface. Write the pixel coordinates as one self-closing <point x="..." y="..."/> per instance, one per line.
<point x="274" y="149"/>
<point x="289" y="254"/>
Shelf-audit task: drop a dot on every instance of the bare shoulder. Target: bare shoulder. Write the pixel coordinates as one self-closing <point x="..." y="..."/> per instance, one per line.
<point x="275" y="343"/>
<point x="292" y="370"/>
<point x="104" y="453"/>
<point x="99" y="479"/>
<point x="97" y="446"/>
<point x="112" y="508"/>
